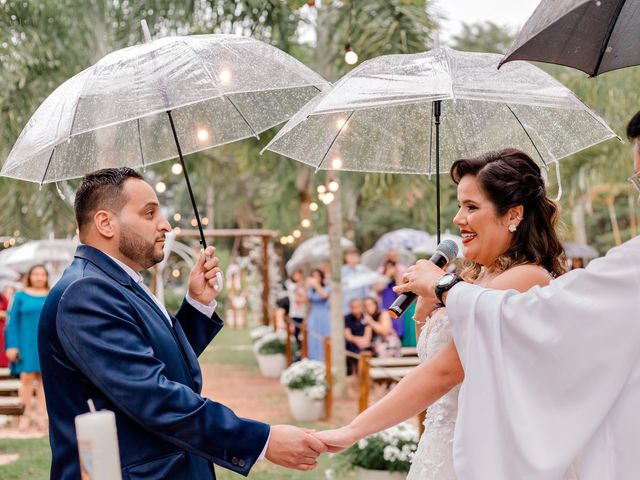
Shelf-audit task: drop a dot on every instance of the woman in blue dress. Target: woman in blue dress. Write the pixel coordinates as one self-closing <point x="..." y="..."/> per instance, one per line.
<point x="318" y="320"/>
<point x="22" y="344"/>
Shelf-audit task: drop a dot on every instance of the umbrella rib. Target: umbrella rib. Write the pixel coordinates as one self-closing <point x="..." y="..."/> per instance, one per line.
<point x="213" y="82"/>
<point x="140" y="143"/>
<point x="46" y="170"/>
<point x="334" y="140"/>
<point x="607" y="37"/>
<point x="527" y="134"/>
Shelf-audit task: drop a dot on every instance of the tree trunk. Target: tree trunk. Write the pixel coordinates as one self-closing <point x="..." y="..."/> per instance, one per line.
<point x="614" y="220"/>
<point x="579" y="221"/>
<point x="334" y="215"/>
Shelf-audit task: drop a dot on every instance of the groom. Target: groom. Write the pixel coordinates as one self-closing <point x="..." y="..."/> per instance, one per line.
<point x="104" y="336"/>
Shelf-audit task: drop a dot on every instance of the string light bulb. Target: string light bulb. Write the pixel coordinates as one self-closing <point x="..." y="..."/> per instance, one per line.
<point x="297" y="234"/>
<point x="306" y="223"/>
<point x="176" y="168"/>
<point x="336" y="163"/>
<point x="322" y="189"/>
<point x="333" y="186"/>
<point x="313" y="206"/>
<point x="350" y="56"/>
<point x="161" y="187"/>
<point x="328" y="198"/>
<point x="202" y="135"/>
<point x="177" y="217"/>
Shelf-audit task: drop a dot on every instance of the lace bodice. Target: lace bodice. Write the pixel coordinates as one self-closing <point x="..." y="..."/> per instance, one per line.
<point x="434" y="458"/>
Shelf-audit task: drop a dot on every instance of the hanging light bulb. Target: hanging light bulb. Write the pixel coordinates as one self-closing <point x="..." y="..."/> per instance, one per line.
<point x="194" y="222"/>
<point x="205" y="221"/>
<point x="225" y="76"/>
<point x="297" y="234"/>
<point x="290" y="239"/>
<point x="333" y="186"/>
<point x="313" y="206"/>
<point x="328" y="198"/>
<point x="12" y="241"/>
<point x="175" y="273"/>
<point x="202" y="135"/>
<point x="177" y="230"/>
<point x="322" y="189"/>
<point x="336" y="163"/>
<point x="176" y="168"/>
<point x="161" y="187"/>
<point x="306" y="223"/>
<point x="350" y="56"/>
<point x="283" y="240"/>
<point x="177" y="217"/>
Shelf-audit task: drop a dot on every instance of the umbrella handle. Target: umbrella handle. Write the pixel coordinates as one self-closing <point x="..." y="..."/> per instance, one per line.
<point x="145" y="31"/>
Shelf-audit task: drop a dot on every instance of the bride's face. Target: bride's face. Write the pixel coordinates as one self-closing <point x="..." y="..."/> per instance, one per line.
<point x="485" y="236"/>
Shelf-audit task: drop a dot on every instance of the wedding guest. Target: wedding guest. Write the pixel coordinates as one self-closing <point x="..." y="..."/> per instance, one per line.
<point x="357" y="333"/>
<point x="318" y="320"/>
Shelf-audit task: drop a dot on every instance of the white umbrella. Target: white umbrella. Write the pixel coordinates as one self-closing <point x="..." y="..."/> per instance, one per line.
<point x="429" y="247"/>
<point x="314" y="250"/>
<point x="54" y="254"/>
<point x="375" y="257"/>
<point x="363" y="278"/>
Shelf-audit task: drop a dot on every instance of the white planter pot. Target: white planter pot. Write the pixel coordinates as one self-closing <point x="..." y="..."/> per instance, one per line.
<point x="303" y="408"/>
<point x="272" y="366"/>
<point x="366" y="474"/>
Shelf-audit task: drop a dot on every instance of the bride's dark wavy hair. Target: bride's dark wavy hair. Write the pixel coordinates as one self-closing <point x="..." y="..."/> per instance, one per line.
<point x="509" y="178"/>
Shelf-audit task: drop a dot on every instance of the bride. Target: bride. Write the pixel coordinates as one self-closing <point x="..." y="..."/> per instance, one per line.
<point x="508" y="227"/>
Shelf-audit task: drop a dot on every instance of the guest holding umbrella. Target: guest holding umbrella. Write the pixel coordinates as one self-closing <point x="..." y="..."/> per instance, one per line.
<point x="22" y="344"/>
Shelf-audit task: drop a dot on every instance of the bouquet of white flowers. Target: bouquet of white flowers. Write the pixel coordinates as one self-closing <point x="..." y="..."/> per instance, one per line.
<point x="391" y="450"/>
<point x="308" y="376"/>
<point x="271" y="343"/>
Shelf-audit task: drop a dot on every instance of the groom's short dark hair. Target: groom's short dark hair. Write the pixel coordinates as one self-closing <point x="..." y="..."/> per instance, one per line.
<point x="633" y="128"/>
<point x="101" y="190"/>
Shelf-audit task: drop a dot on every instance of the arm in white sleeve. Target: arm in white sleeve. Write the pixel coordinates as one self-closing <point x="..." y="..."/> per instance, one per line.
<point x="542" y="368"/>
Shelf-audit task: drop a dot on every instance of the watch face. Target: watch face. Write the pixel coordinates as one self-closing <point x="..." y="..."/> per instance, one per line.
<point x="446" y="279"/>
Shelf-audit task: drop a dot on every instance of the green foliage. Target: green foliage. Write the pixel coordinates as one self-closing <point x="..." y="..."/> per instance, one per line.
<point x="483" y="37"/>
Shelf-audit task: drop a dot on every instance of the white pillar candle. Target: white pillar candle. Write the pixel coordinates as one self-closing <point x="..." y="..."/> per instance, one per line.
<point x="98" y="445"/>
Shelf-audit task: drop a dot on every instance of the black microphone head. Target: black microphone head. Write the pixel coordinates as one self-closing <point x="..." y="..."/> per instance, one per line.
<point x="449" y="249"/>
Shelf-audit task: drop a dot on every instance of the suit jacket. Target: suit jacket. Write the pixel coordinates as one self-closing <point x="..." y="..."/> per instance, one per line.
<point x="102" y="337"/>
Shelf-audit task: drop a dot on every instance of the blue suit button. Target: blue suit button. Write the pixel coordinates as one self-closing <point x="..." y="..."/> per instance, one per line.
<point x="234" y="460"/>
<point x="242" y="463"/>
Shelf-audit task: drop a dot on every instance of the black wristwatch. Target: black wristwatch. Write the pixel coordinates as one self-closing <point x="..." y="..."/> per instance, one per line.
<point x="445" y="283"/>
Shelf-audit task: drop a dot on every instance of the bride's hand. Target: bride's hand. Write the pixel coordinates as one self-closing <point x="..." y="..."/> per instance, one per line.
<point x="336" y="440"/>
<point x="421" y="279"/>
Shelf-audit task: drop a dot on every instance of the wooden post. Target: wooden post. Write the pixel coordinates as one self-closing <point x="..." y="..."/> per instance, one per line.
<point x="328" y="400"/>
<point x="287" y="345"/>
<point x="265" y="280"/>
<point x="363" y="375"/>
<point x="304" y="349"/>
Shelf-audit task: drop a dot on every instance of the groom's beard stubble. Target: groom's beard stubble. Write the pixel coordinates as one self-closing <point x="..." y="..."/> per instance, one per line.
<point x="134" y="246"/>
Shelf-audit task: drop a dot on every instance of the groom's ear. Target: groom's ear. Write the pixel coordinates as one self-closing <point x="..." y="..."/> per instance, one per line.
<point x="105" y="223"/>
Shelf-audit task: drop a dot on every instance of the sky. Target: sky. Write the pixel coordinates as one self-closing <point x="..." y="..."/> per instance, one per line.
<point x="512" y="13"/>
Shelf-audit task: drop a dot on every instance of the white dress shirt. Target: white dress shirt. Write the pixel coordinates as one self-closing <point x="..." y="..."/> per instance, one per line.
<point x="552" y="376"/>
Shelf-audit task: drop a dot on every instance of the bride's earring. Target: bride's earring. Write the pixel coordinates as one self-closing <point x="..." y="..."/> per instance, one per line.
<point x="512" y="228"/>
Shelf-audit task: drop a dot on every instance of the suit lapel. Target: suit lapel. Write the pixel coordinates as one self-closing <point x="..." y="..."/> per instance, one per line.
<point x="191" y="358"/>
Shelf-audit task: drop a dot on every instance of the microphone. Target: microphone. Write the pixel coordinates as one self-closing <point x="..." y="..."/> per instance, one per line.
<point x="446" y="252"/>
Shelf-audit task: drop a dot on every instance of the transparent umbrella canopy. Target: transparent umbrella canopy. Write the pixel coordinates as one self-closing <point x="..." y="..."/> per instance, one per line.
<point x="159" y="100"/>
<point x="314" y="250"/>
<point x="418" y="113"/>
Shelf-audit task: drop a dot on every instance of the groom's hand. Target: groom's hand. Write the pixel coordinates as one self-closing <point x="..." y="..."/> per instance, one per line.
<point x="202" y="279"/>
<point x="294" y="447"/>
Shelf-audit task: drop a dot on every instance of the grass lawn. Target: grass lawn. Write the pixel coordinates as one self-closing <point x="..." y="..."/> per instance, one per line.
<point x="34" y="461"/>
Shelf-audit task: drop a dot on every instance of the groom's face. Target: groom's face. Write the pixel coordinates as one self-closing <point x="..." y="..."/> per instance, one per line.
<point x="142" y="226"/>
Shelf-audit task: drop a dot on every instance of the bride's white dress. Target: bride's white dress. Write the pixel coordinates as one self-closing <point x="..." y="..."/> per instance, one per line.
<point x="433" y="459"/>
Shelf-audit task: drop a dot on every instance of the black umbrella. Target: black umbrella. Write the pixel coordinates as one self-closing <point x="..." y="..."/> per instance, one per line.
<point x="594" y="36"/>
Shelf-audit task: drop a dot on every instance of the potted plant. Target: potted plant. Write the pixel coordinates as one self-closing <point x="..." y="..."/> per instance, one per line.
<point x="258" y="332"/>
<point x="306" y="386"/>
<point x="386" y="455"/>
<point x="269" y="350"/>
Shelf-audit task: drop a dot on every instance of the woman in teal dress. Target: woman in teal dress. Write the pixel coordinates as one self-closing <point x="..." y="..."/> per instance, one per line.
<point x="318" y="320"/>
<point x="22" y="344"/>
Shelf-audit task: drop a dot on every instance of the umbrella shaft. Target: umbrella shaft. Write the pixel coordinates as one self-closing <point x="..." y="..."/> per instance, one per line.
<point x="203" y="242"/>
<point x="437" y="106"/>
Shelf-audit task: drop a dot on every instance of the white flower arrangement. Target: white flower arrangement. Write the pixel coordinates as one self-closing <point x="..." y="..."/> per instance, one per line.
<point x="271" y="343"/>
<point x="390" y="450"/>
<point x="258" y="332"/>
<point x="308" y="376"/>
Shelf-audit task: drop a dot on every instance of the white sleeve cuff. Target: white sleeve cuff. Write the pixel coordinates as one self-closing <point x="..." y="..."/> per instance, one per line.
<point x="201" y="307"/>
<point x="266" y="445"/>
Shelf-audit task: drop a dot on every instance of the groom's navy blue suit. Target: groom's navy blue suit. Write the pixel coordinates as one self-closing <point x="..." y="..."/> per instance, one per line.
<point x="102" y="337"/>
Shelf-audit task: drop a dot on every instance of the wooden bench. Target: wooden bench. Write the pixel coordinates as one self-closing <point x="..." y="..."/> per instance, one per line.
<point x="384" y="370"/>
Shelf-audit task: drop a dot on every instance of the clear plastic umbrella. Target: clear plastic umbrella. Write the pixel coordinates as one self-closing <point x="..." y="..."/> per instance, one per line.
<point x="363" y="278"/>
<point x="55" y="254"/>
<point x="385" y="115"/>
<point x="429" y="247"/>
<point x="377" y="256"/>
<point x="314" y="250"/>
<point x="404" y="238"/>
<point x="159" y="100"/>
